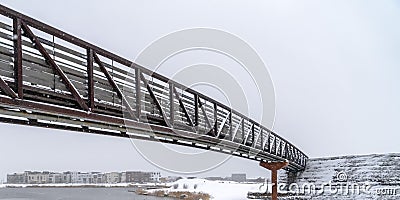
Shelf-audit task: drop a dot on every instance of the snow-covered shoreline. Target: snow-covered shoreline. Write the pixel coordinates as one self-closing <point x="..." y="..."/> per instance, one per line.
<point x="221" y="190"/>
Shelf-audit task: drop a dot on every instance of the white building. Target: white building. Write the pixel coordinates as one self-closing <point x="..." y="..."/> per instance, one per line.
<point x="37" y="177"/>
<point x="66" y="177"/>
<point x="123" y="177"/>
<point x="97" y="177"/>
<point x="74" y="177"/>
<point x="112" y="177"/>
<point x="55" y="178"/>
<point x="85" y="178"/>
<point x="155" y="176"/>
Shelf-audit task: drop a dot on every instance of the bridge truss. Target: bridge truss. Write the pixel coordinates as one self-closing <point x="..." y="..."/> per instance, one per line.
<point x="51" y="79"/>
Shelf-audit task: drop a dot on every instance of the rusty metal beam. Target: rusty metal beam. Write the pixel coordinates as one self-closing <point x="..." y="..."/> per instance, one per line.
<point x="138" y="93"/>
<point x="262" y="138"/>
<point x="4" y="86"/>
<point x="114" y="86"/>
<point x="196" y="109"/>
<point x="252" y="135"/>
<point x="18" y="56"/>
<point x="274" y="167"/>
<point x="216" y="119"/>
<point x="230" y="124"/>
<point x="53" y="64"/>
<point x="171" y="104"/>
<point x="243" y="134"/>
<point x="267" y="146"/>
<point x="89" y="57"/>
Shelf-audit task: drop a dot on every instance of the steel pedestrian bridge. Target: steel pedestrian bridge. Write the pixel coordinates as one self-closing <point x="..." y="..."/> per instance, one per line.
<point x="51" y="79"/>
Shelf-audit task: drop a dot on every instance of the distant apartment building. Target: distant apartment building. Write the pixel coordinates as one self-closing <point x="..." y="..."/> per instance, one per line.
<point x="112" y="177"/>
<point x="123" y="177"/>
<point x="74" y="177"/>
<point x="97" y="177"/>
<point x="34" y="177"/>
<point x="214" y="178"/>
<point x="16" y="178"/>
<point x="85" y="178"/>
<point x="170" y="179"/>
<point x="239" y="177"/>
<point x="55" y="178"/>
<point x="155" y="176"/>
<point x="257" y="180"/>
<point x="138" y="177"/>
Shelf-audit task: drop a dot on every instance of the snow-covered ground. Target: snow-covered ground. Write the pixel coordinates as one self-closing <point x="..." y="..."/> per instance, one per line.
<point x="219" y="190"/>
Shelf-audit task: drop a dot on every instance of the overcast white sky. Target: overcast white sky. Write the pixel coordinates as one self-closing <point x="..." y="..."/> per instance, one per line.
<point x="334" y="64"/>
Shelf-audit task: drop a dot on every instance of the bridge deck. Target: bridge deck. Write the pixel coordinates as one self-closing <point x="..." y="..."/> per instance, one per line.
<point x="51" y="79"/>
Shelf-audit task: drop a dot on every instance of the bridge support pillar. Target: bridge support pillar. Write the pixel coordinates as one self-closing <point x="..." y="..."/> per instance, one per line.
<point x="274" y="167"/>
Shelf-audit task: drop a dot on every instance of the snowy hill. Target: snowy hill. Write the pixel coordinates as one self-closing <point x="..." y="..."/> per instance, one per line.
<point x="372" y="174"/>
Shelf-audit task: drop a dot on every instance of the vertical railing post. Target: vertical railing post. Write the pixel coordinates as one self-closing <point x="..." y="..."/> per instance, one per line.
<point x="171" y="104"/>
<point x="196" y="109"/>
<point x="243" y="133"/>
<point x="138" y="93"/>
<point x="216" y="120"/>
<point x="18" y="57"/>
<point x="268" y="143"/>
<point x="291" y="153"/>
<point x="89" y="57"/>
<point x="278" y="147"/>
<point x="262" y="139"/>
<point x="230" y="125"/>
<point x="252" y="135"/>
<point x="285" y="152"/>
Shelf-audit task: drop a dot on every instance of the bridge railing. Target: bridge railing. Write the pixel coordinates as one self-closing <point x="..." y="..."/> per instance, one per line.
<point x="40" y="64"/>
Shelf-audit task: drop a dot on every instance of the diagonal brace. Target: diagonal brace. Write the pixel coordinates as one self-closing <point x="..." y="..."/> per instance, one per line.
<point x="4" y="86"/>
<point x="266" y="139"/>
<point x="205" y="114"/>
<point x="223" y="124"/>
<point x="114" y="85"/>
<point x="53" y="64"/>
<point x="183" y="107"/>
<point x="248" y="133"/>
<point x="257" y="137"/>
<point x="237" y="129"/>
<point x="153" y="96"/>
